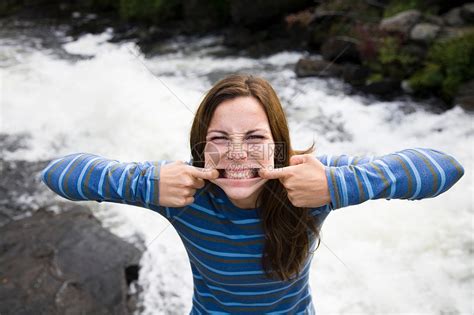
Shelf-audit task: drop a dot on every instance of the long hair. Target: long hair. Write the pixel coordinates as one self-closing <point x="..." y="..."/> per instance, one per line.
<point x="288" y="229"/>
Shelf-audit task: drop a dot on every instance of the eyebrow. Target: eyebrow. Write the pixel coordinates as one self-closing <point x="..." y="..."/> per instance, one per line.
<point x="248" y="132"/>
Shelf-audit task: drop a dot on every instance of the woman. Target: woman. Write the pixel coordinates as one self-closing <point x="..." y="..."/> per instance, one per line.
<point x="248" y="207"/>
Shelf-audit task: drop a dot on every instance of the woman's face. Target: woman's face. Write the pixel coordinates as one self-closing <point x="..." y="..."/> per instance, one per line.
<point x="238" y="142"/>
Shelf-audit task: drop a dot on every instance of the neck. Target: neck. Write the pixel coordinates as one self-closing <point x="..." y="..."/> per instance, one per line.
<point x="245" y="204"/>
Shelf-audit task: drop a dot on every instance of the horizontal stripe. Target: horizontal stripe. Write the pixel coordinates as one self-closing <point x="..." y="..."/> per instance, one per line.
<point x="249" y="293"/>
<point x="224" y="254"/>
<point x="248" y="226"/>
<point x="304" y="287"/>
<point x="289" y="309"/>
<point x="216" y="239"/>
<point x="211" y="232"/>
<point x="238" y="280"/>
<point x="213" y="213"/>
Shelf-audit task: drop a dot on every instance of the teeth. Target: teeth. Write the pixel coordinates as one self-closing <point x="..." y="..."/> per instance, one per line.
<point x="250" y="173"/>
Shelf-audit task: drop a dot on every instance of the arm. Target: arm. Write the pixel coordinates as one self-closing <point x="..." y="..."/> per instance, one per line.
<point x="344" y="159"/>
<point x="411" y="174"/>
<point x="84" y="176"/>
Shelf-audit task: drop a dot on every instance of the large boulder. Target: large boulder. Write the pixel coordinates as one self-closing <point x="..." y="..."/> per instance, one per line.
<point x="401" y="23"/>
<point x="453" y="17"/>
<point x="424" y="32"/>
<point x="307" y="67"/>
<point x="340" y="49"/>
<point x="460" y="16"/>
<point x="55" y="256"/>
<point x="65" y="263"/>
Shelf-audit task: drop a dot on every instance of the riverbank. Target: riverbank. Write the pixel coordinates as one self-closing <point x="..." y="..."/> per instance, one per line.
<point x="56" y="257"/>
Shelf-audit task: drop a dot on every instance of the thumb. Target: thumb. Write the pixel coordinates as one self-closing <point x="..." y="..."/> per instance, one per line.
<point x="204" y="173"/>
<point x="299" y="159"/>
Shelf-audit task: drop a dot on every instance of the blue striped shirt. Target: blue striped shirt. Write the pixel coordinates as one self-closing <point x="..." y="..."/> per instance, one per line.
<point x="225" y="243"/>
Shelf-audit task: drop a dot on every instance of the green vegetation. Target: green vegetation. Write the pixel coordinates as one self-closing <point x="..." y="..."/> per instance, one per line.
<point x="395" y="7"/>
<point x="374" y="77"/>
<point x="391" y="60"/>
<point x="448" y="64"/>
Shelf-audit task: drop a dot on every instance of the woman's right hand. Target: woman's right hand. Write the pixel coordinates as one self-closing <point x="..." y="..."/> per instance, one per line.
<point x="179" y="181"/>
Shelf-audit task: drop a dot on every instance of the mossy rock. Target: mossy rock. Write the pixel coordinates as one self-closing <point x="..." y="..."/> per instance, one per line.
<point x="448" y="64"/>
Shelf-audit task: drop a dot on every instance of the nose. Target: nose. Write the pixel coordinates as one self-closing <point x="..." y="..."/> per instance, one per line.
<point x="236" y="151"/>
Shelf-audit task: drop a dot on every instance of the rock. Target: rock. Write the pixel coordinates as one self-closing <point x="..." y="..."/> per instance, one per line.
<point x="355" y="74"/>
<point x="467" y="12"/>
<point x="453" y="17"/>
<point x="20" y="189"/>
<point x="460" y="16"/>
<point x="424" y="32"/>
<point x="401" y="22"/>
<point x="465" y="96"/>
<point x="307" y="67"/>
<point x="65" y="263"/>
<point x="340" y="49"/>
<point x="405" y="86"/>
<point x="433" y="19"/>
<point x="385" y="88"/>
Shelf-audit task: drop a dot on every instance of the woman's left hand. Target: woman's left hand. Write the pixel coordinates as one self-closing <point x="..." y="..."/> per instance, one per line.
<point x="305" y="181"/>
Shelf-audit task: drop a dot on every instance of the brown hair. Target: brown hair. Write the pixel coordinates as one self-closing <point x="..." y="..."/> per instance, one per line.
<point x="286" y="227"/>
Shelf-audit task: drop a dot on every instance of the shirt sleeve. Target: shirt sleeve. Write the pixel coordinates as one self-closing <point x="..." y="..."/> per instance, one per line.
<point x="411" y="174"/>
<point x="344" y="159"/>
<point x="85" y="176"/>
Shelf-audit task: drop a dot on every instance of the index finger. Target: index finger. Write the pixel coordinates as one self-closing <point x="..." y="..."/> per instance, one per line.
<point x="204" y="173"/>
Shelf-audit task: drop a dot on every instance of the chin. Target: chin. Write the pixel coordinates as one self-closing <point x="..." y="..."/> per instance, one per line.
<point x="240" y="189"/>
<point x="238" y="193"/>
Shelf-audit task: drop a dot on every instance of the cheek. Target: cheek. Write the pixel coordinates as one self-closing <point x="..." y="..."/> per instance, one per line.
<point x="214" y="153"/>
<point x="263" y="152"/>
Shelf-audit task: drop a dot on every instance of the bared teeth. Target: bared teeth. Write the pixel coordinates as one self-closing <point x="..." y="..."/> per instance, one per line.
<point x="249" y="173"/>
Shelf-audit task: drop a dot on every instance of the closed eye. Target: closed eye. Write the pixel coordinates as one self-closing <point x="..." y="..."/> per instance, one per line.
<point x="254" y="136"/>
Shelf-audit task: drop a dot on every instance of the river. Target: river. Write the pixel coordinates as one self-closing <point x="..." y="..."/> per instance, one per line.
<point x="379" y="257"/>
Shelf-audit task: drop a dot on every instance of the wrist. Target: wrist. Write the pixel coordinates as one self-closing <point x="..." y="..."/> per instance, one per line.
<point x="333" y="197"/>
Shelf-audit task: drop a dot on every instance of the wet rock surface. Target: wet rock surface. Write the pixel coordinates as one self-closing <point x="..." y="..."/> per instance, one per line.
<point x="55" y="256"/>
